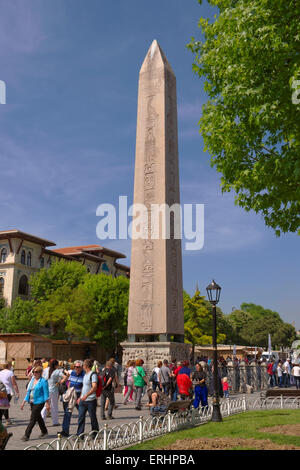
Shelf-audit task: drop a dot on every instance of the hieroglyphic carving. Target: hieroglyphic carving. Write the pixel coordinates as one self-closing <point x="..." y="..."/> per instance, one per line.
<point x="150" y="153"/>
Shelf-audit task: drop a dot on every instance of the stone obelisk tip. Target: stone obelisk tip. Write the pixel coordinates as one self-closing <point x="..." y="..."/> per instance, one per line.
<point x="155" y="58"/>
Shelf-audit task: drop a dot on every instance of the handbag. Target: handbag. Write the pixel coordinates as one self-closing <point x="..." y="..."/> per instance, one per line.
<point x="153" y="377"/>
<point x="4" y="403"/>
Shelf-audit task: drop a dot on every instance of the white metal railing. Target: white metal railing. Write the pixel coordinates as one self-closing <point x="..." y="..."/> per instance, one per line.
<point x="118" y="437"/>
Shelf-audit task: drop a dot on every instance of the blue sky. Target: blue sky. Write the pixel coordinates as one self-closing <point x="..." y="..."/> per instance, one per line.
<point x="67" y="139"/>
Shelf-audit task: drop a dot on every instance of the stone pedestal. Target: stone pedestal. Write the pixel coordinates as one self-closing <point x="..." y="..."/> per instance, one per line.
<point x="151" y="353"/>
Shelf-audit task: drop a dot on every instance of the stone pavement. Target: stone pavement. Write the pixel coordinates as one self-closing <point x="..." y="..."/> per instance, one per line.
<point x="123" y="414"/>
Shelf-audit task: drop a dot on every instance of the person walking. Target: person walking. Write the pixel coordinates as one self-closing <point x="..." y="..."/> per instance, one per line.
<point x="75" y="381"/>
<point x="286" y="373"/>
<point x="270" y="373"/>
<point x="37" y="396"/>
<point x="139" y="380"/>
<point x="108" y="394"/>
<point x="88" y="399"/>
<point x="128" y="377"/>
<point x="296" y="375"/>
<point x="165" y="377"/>
<point x="279" y="374"/>
<point x="226" y="387"/>
<point x="55" y="377"/>
<point x="156" y="377"/>
<point x="201" y="392"/>
<point x="9" y="381"/>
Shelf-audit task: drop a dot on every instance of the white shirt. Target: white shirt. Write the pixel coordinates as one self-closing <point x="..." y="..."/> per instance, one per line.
<point x="296" y="371"/>
<point x="286" y="367"/>
<point x="5" y="377"/>
<point x="279" y="371"/>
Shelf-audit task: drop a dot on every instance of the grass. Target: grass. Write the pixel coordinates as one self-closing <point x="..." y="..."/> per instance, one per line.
<point x="246" y="425"/>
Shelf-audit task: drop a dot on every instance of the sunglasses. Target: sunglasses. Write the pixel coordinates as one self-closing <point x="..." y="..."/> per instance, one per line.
<point x="77" y="367"/>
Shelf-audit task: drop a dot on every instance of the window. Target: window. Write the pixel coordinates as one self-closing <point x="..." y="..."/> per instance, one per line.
<point x="29" y="259"/>
<point x="42" y="262"/>
<point x="23" y="285"/>
<point x="23" y="257"/>
<point x="1" y="287"/>
<point x="105" y="268"/>
<point x="3" y="255"/>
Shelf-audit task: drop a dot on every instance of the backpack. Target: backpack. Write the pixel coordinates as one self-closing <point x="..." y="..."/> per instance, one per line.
<point x="100" y="384"/>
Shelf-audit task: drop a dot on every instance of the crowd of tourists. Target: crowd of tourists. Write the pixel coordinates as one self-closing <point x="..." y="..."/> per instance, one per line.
<point x="283" y="374"/>
<point x="86" y="385"/>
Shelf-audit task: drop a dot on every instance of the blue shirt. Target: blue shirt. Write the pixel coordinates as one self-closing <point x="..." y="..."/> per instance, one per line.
<point x="40" y="393"/>
<point x="76" y="380"/>
<point x="88" y="379"/>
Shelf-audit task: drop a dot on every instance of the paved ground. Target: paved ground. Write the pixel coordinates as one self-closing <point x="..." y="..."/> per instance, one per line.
<point x="123" y="414"/>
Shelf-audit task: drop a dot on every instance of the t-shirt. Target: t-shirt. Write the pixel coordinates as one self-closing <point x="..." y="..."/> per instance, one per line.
<point x="157" y="372"/>
<point x="296" y="371"/>
<point x="87" y="385"/>
<point x="138" y="375"/>
<point x="56" y="377"/>
<point x="279" y="371"/>
<point x="165" y="375"/>
<point x="199" y="375"/>
<point x="5" y="377"/>
<point x="107" y="374"/>
<point x="130" y="375"/>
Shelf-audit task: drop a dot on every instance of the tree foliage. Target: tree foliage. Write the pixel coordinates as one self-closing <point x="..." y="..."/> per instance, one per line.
<point x="250" y="125"/>
<point x="20" y="318"/>
<point x="68" y="310"/>
<point x="60" y="274"/>
<point x="252" y="324"/>
<point x="198" y="320"/>
<point x="109" y="298"/>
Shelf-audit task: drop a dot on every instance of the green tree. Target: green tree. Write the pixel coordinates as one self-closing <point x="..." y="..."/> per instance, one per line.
<point x="110" y="298"/>
<point x="60" y="274"/>
<point x="68" y="310"/>
<point x="251" y="127"/>
<point x="198" y="321"/>
<point x="20" y="318"/>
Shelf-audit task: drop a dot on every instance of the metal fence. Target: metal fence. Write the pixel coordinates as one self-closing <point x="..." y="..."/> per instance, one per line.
<point x="120" y="437"/>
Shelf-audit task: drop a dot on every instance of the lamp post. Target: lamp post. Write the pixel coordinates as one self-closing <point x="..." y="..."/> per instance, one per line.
<point x="213" y="293"/>
<point x="116" y="343"/>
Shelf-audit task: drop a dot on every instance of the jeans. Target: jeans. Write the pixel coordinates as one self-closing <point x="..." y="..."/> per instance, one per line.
<point x="138" y="396"/>
<point x="201" y="394"/>
<point x="297" y="380"/>
<point x="111" y="397"/>
<point x="286" y="380"/>
<point x="166" y="388"/>
<point x="155" y="385"/>
<point x="280" y="381"/>
<point x="84" y="407"/>
<point x="175" y="393"/>
<point x="129" y="392"/>
<point x="36" y="417"/>
<point x="68" y="415"/>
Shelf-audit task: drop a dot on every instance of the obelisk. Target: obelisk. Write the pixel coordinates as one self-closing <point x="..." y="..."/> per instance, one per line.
<point x="155" y="315"/>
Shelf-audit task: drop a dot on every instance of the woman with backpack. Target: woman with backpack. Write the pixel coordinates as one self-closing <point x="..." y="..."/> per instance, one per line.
<point x="156" y="377"/>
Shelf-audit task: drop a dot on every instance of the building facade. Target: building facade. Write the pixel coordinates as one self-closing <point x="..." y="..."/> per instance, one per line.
<point x="22" y="255"/>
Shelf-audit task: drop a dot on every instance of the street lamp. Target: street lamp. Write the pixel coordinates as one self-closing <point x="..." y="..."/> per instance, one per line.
<point x="213" y="293"/>
<point x="116" y="343"/>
